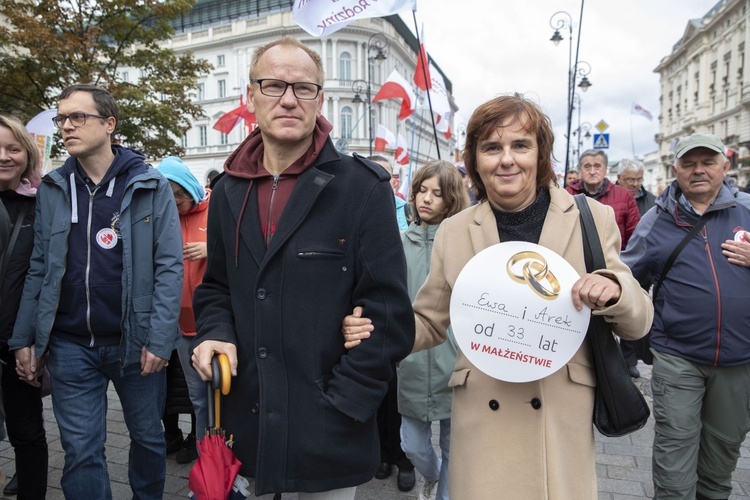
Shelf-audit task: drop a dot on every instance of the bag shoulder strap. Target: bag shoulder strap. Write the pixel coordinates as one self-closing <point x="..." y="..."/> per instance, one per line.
<point x="592" y="246"/>
<point x="697" y="227"/>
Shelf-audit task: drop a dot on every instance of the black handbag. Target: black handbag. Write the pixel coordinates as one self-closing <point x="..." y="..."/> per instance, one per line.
<point x="619" y="406"/>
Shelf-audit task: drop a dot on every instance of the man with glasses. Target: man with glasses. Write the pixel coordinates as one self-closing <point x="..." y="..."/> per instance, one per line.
<point x="630" y="176"/>
<point x="297" y="234"/>
<point x="592" y="168"/>
<point x="102" y="296"/>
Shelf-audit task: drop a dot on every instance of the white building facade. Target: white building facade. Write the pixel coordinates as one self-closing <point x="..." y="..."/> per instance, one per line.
<point x="704" y="87"/>
<point x="225" y="33"/>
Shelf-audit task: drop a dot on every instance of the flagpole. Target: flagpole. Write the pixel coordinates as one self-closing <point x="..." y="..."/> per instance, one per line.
<point x="424" y="71"/>
<point x="632" y="143"/>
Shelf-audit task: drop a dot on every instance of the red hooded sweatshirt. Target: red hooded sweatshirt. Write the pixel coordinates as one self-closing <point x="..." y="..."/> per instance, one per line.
<point x="273" y="191"/>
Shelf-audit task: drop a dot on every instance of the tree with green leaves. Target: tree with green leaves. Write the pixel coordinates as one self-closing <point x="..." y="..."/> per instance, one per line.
<point x="46" y="45"/>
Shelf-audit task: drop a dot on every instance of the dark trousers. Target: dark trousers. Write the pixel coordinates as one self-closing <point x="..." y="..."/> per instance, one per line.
<point x="24" y="420"/>
<point x="389" y="429"/>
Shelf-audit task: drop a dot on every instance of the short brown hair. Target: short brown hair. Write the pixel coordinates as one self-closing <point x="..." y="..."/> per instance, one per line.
<point x="33" y="162"/>
<point x="452" y="187"/>
<point x="105" y="103"/>
<point x="494" y="114"/>
<point x="287" y="41"/>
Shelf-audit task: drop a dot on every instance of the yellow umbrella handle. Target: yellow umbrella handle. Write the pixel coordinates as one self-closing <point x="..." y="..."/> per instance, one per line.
<point x="225" y="383"/>
<point x="226" y="374"/>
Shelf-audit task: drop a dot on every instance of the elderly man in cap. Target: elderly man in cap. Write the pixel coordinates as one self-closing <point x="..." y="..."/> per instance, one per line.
<point x="695" y="245"/>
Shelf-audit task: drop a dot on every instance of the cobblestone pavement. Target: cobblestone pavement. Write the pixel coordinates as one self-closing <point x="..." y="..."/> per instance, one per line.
<point x="623" y="464"/>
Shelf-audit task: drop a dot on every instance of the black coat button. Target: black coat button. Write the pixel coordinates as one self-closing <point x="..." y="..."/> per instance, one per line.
<point x="536" y="403"/>
<point x="494" y="405"/>
<point x="261" y="293"/>
<point x="262" y="352"/>
<point x="256" y="408"/>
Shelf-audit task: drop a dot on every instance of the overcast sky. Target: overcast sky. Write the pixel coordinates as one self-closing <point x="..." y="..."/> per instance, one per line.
<point x="491" y="47"/>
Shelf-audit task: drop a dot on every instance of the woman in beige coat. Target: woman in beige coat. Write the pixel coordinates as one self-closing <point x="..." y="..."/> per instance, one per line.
<point x="532" y="440"/>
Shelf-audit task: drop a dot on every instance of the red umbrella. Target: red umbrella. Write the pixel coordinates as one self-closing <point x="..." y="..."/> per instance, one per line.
<point x="213" y="474"/>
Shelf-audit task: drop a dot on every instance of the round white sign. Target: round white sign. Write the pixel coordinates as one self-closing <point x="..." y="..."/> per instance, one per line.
<point x="512" y="312"/>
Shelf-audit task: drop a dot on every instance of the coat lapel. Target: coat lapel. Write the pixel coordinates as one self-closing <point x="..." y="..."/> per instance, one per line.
<point x="309" y="186"/>
<point x="483" y="233"/>
<point x="250" y="225"/>
<point x="560" y="223"/>
<point x="558" y="229"/>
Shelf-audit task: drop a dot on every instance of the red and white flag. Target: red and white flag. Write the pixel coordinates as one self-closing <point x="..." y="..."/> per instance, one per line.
<point x="438" y="92"/>
<point x="422" y="73"/>
<point x="323" y="17"/>
<point x="230" y="119"/>
<point x="402" y="151"/>
<point x="637" y="109"/>
<point x="396" y="87"/>
<point x="384" y="138"/>
<point x="443" y="124"/>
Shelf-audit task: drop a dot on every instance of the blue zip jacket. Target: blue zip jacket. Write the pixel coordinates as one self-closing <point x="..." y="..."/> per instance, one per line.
<point x="151" y="262"/>
<point x="701" y="312"/>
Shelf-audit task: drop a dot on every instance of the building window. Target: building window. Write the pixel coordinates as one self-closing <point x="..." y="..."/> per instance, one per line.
<point x="222" y="89"/>
<point x="346" y="119"/>
<point x="203" y="134"/>
<point x="220" y="60"/>
<point x="183" y="141"/>
<point x="345" y="66"/>
<point x="125" y="76"/>
<point x="224" y="139"/>
<point x="201" y="91"/>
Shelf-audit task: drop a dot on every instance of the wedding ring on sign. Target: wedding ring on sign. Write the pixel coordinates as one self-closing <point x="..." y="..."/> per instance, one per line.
<point x="535" y="272"/>
<point x="539" y="265"/>
<point x="537" y="286"/>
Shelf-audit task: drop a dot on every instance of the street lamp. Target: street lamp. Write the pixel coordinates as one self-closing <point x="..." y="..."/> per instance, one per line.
<point x="560" y="21"/>
<point x="375" y="44"/>
<point x="582" y="132"/>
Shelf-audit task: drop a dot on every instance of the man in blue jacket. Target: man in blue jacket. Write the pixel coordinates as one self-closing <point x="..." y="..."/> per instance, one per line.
<point x="699" y="337"/>
<point x="102" y="296"/>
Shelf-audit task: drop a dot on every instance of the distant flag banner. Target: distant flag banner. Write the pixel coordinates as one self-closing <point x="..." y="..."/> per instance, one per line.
<point x="42" y="131"/>
<point x="384" y="138"/>
<point x="396" y="87"/>
<point x="402" y="151"/>
<point x="324" y="17"/>
<point x="230" y="119"/>
<point x="637" y="109"/>
<point x="422" y="74"/>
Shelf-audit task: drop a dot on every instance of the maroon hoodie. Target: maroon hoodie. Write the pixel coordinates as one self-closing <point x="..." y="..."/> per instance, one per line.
<point x="273" y="191"/>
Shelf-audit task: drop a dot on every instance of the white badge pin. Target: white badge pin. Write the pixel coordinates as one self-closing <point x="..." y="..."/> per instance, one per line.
<point x="741" y="236"/>
<point x="106" y="238"/>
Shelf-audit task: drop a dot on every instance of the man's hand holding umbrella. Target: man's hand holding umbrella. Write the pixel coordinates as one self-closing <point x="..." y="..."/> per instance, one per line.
<point x="204" y="353"/>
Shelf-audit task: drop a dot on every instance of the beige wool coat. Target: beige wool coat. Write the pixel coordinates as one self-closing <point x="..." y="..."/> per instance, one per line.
<point x="534" y="440"/>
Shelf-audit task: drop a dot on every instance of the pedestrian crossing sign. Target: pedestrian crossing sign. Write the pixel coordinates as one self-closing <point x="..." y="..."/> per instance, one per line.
<point x="601" y="141"/>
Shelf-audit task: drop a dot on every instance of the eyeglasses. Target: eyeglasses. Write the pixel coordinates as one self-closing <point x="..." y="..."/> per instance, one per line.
<point x="76" y="119"/>
<point x="306" y="91"/>
<point x="626" y="180"/>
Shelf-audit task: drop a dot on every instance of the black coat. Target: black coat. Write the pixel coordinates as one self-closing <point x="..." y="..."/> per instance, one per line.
<point x="11" y="285"/>
<point x="302" y="407"/>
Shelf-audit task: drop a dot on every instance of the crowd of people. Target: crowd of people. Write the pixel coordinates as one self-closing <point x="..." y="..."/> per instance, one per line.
<point x="330" y="295"/>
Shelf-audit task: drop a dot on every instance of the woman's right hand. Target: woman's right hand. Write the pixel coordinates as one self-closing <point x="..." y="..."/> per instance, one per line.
<point x="355" y="328"/>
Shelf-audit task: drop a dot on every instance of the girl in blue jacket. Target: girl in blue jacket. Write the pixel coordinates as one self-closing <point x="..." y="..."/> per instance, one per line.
<point x="437" y="192"/>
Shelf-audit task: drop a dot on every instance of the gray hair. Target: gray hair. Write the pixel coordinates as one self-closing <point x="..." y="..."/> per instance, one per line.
<point x="593" y="152"/>
<point x="626" y="166"/>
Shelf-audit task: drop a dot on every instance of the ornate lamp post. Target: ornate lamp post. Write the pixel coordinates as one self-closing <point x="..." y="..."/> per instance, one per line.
<point x="561" y="20"/>
<point x="375" y="44"/>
